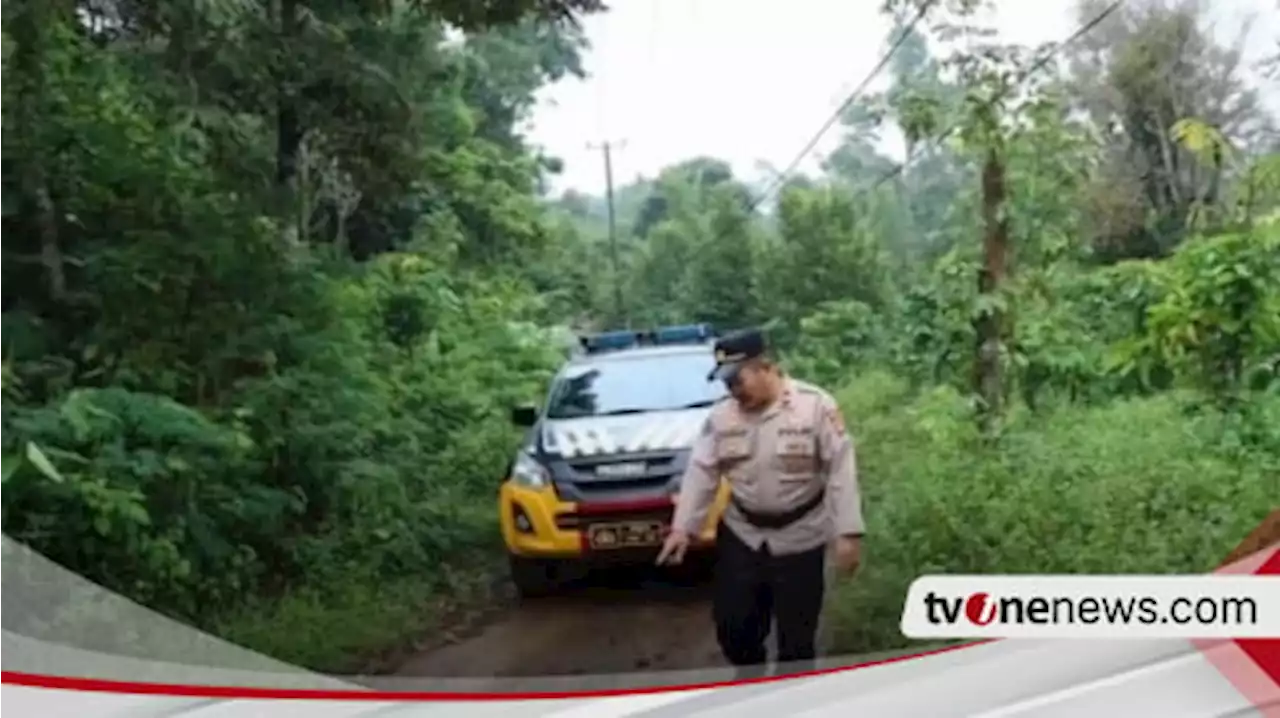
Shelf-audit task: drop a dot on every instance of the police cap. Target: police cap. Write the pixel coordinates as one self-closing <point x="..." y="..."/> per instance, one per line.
<point x="734" y="350"/>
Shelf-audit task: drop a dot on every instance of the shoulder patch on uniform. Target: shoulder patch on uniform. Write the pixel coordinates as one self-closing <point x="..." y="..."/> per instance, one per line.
<point x="805" y="388"/>
<point x="834" y="417"/>
<point x="813" y="391"/>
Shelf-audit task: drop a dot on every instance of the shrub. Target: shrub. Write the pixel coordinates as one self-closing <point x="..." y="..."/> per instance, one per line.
<point x="1136" y="486"/>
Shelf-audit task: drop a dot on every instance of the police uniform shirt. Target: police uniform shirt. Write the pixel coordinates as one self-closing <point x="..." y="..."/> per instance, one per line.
<point x="775" y="461"/>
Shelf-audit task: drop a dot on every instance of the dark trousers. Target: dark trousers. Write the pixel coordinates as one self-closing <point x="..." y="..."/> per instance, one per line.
<point x="753" y="589"/>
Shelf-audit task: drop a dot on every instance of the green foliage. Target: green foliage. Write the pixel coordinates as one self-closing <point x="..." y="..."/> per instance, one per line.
<point x="166" y="494"/>
<point x="839" y="338"/>
<point x="1133" y="487"/>
<point x="264" y="317"/>
<point x="1219" y="313"/>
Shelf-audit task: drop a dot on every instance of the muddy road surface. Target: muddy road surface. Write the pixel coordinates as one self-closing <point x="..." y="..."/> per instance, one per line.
<point x="610" y="621"/>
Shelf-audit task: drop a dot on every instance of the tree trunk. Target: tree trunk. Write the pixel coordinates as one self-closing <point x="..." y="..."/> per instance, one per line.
<point x="288" y="130"/>
<point x="987" y="379"/>
<point x="31" y="26"/>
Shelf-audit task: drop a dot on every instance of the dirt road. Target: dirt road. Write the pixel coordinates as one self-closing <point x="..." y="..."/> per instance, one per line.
<point x="619" y="621"/>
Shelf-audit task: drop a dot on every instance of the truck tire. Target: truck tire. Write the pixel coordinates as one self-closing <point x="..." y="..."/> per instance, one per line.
<point x="532" y="578"/>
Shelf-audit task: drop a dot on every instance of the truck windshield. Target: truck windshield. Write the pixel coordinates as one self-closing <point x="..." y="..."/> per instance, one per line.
<point x="626" y="385"/>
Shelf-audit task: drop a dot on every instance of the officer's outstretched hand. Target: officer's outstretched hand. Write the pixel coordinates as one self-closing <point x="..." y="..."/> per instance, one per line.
<point x="673" y="548"/>
<point x="848" y="553"/>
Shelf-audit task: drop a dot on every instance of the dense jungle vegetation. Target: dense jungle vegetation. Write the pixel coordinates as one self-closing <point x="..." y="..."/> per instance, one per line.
<point x="275" y="271"/>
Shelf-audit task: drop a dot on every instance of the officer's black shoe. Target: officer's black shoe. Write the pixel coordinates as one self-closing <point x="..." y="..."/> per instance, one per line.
<point x="794" y="668"/>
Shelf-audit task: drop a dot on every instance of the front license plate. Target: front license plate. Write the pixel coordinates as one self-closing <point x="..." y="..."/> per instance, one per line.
<point x="631" y="534"/>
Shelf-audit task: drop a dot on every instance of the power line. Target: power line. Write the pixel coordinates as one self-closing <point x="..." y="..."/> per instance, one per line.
<point x="1022" y="77"/>
<point x="782" y="177"/>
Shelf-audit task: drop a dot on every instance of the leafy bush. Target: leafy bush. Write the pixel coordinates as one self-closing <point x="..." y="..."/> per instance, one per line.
<point x="1135" y="486"/>
<point x="167" y="495"/>
<point x="363" y="451"/>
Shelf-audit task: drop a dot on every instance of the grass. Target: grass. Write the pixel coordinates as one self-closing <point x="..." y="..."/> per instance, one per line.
<point x="1134" y="486"/>
<point x="365" y="624"/>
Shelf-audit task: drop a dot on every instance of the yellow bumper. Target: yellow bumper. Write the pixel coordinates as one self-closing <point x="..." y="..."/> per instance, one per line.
<point x="550" y="530"/>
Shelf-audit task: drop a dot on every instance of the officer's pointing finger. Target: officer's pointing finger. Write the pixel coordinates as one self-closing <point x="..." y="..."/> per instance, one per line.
<point x="677" y="556"/>
<point x="672" y="552"/>
<point x="665" y="553"/>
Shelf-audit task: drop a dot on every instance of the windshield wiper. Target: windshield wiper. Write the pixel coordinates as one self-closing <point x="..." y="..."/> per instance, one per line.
<point x="620" y="412"/>
<point x="637" y="410"/>
<point x="699" y="404"/>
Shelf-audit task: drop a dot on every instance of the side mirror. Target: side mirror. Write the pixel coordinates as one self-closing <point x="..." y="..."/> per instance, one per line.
<point x="524" y="415"/>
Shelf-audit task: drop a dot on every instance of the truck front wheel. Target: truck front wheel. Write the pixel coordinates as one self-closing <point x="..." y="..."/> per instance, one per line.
<point x="533" y="578"/>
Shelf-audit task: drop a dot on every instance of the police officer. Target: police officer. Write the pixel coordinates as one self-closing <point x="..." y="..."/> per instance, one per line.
<point x="782" y="446"/>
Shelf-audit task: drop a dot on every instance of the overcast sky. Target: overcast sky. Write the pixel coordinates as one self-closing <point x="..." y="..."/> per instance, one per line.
<point x="751" y="80"/>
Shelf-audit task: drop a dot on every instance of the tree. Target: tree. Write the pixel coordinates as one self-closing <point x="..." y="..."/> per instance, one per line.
<point x="1145" y="68"/>
<point x="227" y="403"/>
<point x="999" y="82"/>
<point x="702" y="173"/>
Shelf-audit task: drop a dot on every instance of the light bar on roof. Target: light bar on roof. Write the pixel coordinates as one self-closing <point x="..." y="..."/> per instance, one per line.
<point x="606" y="341"/>
<point x="682" y="334"/>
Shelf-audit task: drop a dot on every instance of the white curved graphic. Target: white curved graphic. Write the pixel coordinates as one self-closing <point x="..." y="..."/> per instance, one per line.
<point x="999" y="679"/>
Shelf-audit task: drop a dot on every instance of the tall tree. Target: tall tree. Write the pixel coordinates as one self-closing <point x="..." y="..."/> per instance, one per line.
<point x="1146" y="67"/>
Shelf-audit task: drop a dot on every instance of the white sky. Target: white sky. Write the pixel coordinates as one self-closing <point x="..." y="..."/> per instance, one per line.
<point x="750" y="80"/>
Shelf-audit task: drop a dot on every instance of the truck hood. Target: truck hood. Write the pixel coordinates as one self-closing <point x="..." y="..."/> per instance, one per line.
<point x="627" y="434"/>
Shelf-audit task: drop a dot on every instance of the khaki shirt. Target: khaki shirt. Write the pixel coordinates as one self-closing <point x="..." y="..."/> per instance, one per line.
<point x="775" y="461"/>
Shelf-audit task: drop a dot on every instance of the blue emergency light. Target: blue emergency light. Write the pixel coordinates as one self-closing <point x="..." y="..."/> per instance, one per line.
<point x="683" y="334"/>
<point x="625" y="339"/>
<point x="610" y="340"/>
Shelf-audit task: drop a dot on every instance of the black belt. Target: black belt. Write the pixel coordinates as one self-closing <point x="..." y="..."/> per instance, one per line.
<point x="779" y="520"/>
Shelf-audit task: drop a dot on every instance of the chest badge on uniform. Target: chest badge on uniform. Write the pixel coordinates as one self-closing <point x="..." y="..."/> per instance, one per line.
<point x="797" y="455"/>
<point x="796" y="448"/>
<point x="730" y="449"/>
<point x="795" y="431"/>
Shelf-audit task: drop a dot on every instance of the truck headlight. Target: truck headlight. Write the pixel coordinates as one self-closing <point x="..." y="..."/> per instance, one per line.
<point x="526" y="471"/>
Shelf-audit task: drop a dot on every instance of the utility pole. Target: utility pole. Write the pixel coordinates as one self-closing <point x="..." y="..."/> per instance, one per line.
<point x="607" y="148"/>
